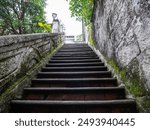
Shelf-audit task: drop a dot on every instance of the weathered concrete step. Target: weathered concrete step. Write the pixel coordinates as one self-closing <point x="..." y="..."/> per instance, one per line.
<point x="92" y="74"/>
<point x="75" y="45"/>
<point x="73" y="58"/>
<point x="75" y="61"/>
<point x="75" y="50"/>
<point x="75" y="64"/>
<point x="35" y="106"/>
<point x="74" y="69"/>
<point x="87" y="93"/>
<point x="74" y="53"/>
<point x="74" y="82"/>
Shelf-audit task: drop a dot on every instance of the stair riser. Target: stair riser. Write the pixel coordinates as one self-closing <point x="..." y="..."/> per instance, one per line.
<point x="73" y="69"/>
<point x="73" y="58"/>
<point x="76" y="55"/>
<point x="75" y="50"/>
<point x="74" y="64"/>
<point x="115" y="108"/>
<point x="77" y="96"/>
<point x="73" y="83"/>
<point x="97" y="75"/>
<point x="75" y="61"/>
<point x="75" y="47"/>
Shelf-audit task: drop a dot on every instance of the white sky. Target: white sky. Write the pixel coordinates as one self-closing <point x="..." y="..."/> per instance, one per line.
<point x="61" y="7"/>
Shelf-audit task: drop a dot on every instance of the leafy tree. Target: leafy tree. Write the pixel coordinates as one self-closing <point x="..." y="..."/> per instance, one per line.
<point x="21" y="16"/>
<point x="82" y="9"/>
<point x="45" y="27"/>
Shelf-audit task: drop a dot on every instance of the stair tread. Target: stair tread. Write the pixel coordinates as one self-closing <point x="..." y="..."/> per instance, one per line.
<point x="74" y="67"/>
<point x="85" y="72"/>
<point x="74" y="79"/>
<point x="69" y="55"/>
<point x="101" y="102"/>
<point x="74" y="89"/>
<point x="87" y="63"/>
<point x="72" y="50"/>
<point x="80" y="60"/>
<point x="67" y="58"/>
<point x="98" y="62"/>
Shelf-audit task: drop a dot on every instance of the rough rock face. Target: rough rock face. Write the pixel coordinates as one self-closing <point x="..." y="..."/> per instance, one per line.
<point x="122" y="31"/>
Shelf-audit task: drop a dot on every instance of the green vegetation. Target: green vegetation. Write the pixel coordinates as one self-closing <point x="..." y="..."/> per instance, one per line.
<point x="133" y="85"/>
<point x="45" y="27"/>
<point x="22" y="16"/>
<point x="82" y="9"/>
<point x="91" y="34"/>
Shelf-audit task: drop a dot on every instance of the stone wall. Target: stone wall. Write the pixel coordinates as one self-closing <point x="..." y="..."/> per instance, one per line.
<point x="19" y="54"/>
<point x="122" y="32"/>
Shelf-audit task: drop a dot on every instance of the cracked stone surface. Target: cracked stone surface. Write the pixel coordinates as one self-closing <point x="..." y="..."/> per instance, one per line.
<point x="123" y="32"/>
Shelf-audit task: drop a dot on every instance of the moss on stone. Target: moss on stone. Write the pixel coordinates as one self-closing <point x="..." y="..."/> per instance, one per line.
<point x="133" y="84"/>
<point x="14" y="88"/>
<point x="91" y="39"/>
<point x="144" y="103"/>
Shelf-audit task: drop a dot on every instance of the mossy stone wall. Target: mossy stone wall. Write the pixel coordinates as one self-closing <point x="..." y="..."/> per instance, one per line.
<point x="21" y="57"/>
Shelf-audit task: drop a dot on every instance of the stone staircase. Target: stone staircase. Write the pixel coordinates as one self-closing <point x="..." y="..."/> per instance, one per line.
<point x="74" y="80"/>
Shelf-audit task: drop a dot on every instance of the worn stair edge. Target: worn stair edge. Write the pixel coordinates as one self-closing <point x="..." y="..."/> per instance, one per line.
<point x="76" y="79"/>
<point x="74" y="93"/>
<point x="74" y="74"/>
<point x="75" y="55"/>
<point x="102" y="102"/>
<point x="85" y="72"/>
<point x="75" y="64"/>
<point x="72" y="60"/>
<point x="71" y="53"/>
<point x="75" y="50"/>
<point x="125" y="106"/>
<point x="66" y="82"/>
<point x="85" y="89"/>
<point x="65" y="69"/>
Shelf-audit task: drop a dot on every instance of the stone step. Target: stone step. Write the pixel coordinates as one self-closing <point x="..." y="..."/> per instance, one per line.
<point x="74" y="82"/>
<point x="75" y="61"/>
<point x="74" y="45"/>
<point x="74" y="53"/>
<point x="75" y="50"/>
<point x="80" y="93"/>
<point x="72" y="58"/>
<point x="109" y="106"/>
<point x="74" y="69"/>
<point x="75" y="64"/>
<point x="88" y="74"/>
